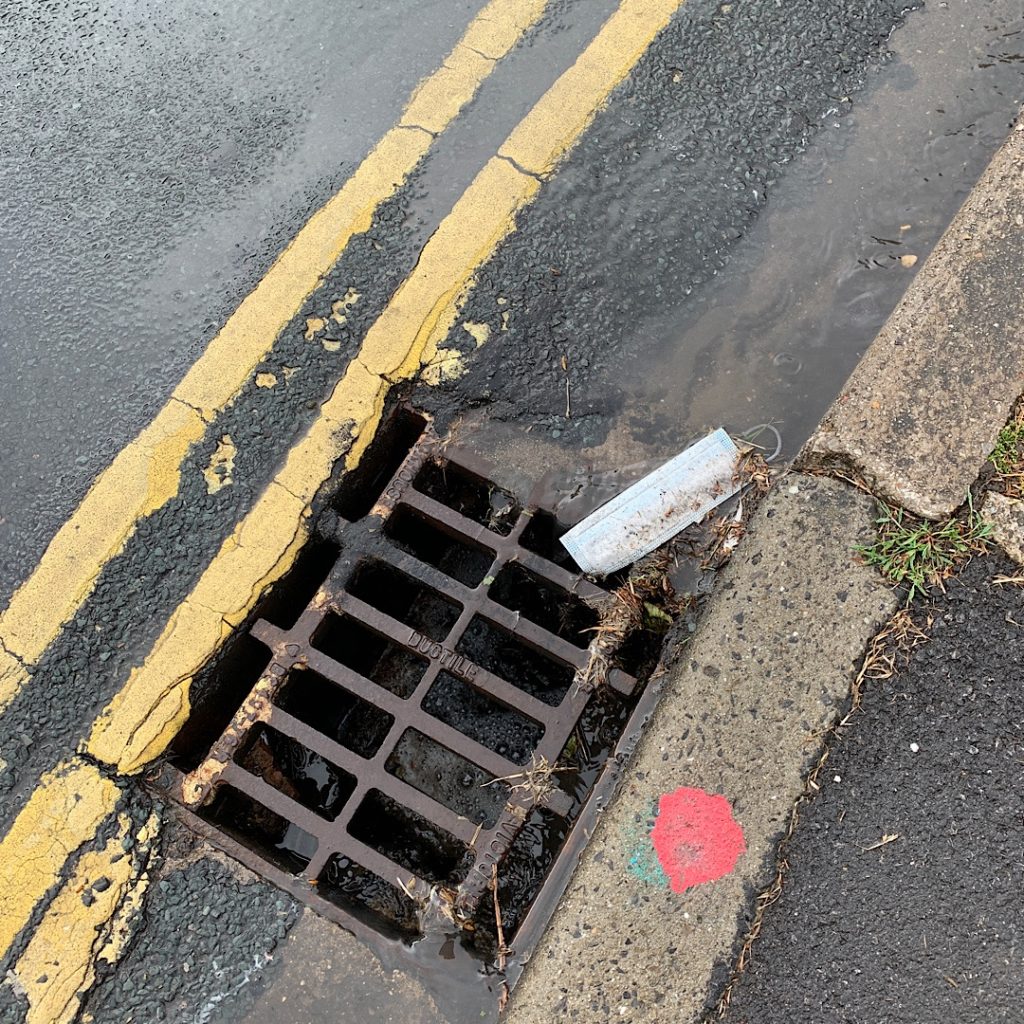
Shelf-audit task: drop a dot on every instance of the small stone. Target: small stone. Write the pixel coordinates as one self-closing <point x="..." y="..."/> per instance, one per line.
<point x="914" y="748"/>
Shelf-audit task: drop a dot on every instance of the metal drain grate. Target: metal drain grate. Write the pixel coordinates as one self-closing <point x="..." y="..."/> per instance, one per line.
<point x="389" y="755"/>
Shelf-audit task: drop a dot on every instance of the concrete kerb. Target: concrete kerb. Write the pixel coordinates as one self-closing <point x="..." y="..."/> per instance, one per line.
<point x="1005" y="516"/>
<point x="917" y="418"/>
<point x="743" y="713"/>
<point x="748" y="701"/>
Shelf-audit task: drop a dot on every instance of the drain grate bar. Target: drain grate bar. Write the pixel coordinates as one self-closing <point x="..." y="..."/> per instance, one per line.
<point x="387" y="645"/>
<point x="514" y="622"/>
<point x="480" y="678"/>
<point x="390" y="785"/>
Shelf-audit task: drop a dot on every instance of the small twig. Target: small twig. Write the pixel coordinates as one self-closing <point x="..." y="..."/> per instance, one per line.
<point x="884" y="841"/>
<point x="502" y="951"/>
<point x="568" y="405"/>
<point x="497" y="918"/>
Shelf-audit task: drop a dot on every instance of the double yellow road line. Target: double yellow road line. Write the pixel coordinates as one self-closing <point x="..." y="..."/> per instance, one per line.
<point x="145" y="475"/>
<point x="143" y="718"/>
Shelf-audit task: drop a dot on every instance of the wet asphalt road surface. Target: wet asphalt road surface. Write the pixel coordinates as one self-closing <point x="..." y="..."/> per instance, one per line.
<point x="927" y="927"/>
<point x="720" y="249"/>
<point x="695" y="261"/>
<point x="155" y="158"/>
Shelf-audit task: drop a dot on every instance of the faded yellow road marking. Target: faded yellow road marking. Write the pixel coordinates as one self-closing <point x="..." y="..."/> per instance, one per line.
<point x="143" y="718"/>
<point x="59" y="963"/>
<point x="145" y="475"/>
<point x="218" y="474"/>
<point x="64" y="812"/>
<point x="142" y="477"/>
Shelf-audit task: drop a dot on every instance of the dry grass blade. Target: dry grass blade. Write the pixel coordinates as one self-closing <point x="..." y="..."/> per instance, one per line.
<point x="884" y="841"/>
<point x="752" y="468"/>
<point x="627" y="610"/>
<point x="1017" y="581"/>
<point x="502" y="948"/>
<point x="894" y="643"/>
<point x="536" y="781"/>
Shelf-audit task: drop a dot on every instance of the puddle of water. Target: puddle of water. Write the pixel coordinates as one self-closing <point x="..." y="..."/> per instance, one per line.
<point x="774" y="335"/>
<point x="781" y="327"/>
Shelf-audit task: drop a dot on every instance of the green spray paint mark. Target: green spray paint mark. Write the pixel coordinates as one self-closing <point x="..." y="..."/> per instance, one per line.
<point x="643" y="862"/>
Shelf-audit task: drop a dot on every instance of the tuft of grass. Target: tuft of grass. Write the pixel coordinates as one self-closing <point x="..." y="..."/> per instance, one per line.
<point x="920" y="554"/>
<point x="1008" y="455"/>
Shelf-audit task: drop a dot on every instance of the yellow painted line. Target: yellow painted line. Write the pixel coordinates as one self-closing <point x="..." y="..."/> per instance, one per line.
<point x="63" y="812"/>
<point x="58" y="965"/>
<point x="144" y="717"/>
<point x="141" y="478"/>
<point x="145" y="474"/>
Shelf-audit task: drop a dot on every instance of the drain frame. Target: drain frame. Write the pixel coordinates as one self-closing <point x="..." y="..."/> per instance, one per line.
<point x="292" y="650"/>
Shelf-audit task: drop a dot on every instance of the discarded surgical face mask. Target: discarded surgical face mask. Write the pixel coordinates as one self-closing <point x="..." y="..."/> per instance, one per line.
<point x="656" y="508"/>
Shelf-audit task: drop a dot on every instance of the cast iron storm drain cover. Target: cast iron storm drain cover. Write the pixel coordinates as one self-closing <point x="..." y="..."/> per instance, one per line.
<point x="423" y="730"/>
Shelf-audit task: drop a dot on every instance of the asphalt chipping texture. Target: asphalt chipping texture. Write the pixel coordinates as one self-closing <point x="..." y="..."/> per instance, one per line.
<point x="927" y="927"/>
<point x="206" y="935"/>
<point x="137" y="591"/>
<point x="13" y="1006"/>
<point x="134" y="804"/>
<point x="656" y="195"/>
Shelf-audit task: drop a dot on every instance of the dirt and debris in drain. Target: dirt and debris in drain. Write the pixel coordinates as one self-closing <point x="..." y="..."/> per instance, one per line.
<point x="419" y="726"/>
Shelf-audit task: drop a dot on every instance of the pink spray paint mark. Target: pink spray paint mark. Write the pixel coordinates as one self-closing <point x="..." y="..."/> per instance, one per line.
<point x="696" y="837"/>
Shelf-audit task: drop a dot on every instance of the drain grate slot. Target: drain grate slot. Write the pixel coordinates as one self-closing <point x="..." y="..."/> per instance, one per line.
<point x="345" y="639"/>
<point x="298" y="772"/>
<point x="497" y="726"/>
<point x="471" y="496"/>
<point x="545" y="604"/>
<point x="403" y="598"/>
<point x="416" y="704"/>
<point x="272" y="835"/>
<point x="506" y="656"/>
<point x="341" y="716"/>
<point x="410" y="840"/>
<point x="455" y="556"/>
<point x="448" y="778"/>
<point x="368" y="898"/>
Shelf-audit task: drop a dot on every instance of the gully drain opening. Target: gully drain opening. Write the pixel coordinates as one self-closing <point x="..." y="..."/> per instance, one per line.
<point x="400" y="741"/>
